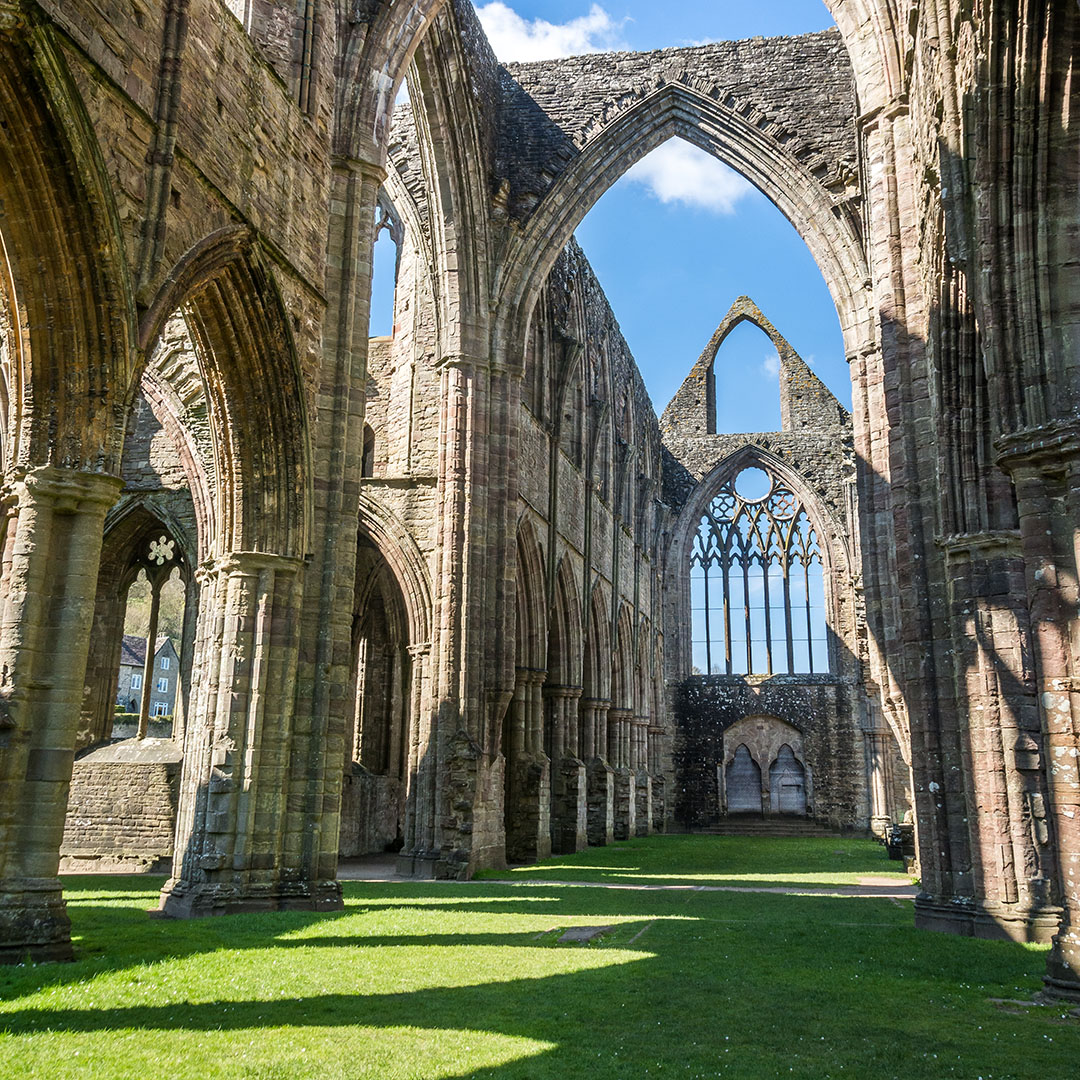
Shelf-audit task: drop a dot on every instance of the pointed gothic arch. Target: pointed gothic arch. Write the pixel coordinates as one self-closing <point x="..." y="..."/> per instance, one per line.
<point x="676" y="110"/>
<point x="62" y="261"/>
<point x="254" y="390"/>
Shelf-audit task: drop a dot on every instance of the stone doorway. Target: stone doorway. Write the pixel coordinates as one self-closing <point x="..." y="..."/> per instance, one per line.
<point x="787" y="784"/>
<point x="743" y="784"/>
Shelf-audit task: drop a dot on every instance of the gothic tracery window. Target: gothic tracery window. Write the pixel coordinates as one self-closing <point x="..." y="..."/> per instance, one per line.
<point x="757" y="592"/>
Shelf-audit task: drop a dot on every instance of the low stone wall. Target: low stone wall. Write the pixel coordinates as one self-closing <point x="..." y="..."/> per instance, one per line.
<point x="122" y="808"/>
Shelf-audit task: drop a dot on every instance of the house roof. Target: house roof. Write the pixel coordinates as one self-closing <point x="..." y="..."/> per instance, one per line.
<point x="133" y="649"/>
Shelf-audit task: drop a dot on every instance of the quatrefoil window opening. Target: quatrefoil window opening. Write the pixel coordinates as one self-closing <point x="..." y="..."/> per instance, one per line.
<point x="162" y="550"/>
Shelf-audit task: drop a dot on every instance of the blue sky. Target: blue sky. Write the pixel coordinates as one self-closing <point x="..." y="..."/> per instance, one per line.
<point x="702" y="235"/>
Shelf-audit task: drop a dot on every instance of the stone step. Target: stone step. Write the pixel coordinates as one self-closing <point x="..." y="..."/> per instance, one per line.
<point x="770" y="827"/>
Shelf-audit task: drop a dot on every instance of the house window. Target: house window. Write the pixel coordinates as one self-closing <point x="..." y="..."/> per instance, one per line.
<point x="164" y="663"/>
<point x="756" y="582"/>
<point x="136" y="681"/>
<point x="160" y="708"/>
<point x="163" y="686"/>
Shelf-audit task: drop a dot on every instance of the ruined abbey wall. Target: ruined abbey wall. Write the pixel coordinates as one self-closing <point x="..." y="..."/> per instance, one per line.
<point x="211" y="174"/>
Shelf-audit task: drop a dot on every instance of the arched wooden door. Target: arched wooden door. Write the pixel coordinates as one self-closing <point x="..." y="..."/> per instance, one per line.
<point x="787" y="783"/>
<point x="743" y="784"/>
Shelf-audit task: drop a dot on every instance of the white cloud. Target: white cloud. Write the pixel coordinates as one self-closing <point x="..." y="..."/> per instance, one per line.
<point x="681" y="173"/>
<point x="517" y="39"/>
<point x="770" y="366"/>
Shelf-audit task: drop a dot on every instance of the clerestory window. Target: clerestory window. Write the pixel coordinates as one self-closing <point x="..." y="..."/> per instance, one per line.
<point x="757" y="592"/>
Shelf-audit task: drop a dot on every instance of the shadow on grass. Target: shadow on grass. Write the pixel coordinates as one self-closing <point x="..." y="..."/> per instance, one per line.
<point x="688" y="981"/>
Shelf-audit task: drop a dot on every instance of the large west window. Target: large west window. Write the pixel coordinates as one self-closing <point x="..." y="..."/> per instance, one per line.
<point x="757" y="592"/>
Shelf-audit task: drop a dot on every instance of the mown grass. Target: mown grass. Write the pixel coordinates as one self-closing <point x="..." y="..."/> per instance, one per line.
<point x="435" y="981"/>
<point x="720" y="860"/>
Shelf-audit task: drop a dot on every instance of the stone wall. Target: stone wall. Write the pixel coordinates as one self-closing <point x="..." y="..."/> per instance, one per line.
<point x="122" y="808"/>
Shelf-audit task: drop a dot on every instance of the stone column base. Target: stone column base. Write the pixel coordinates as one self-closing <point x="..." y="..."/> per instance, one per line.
<point x="600" y="815"/>
<point x="1063" y="967"/>
<point x="625" y="804"/>
<point x="643" y="797"/>
<point x="183" y="900"/>
<point x="994" y="922"/>
<point x="34" y="923"/>
<point x="417" y="864"/>
<point x="569" y="813"/>
<point x="528" y="819"/>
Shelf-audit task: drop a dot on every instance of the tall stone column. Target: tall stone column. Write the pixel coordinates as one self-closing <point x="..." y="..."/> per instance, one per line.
<point x="324" y="700"/>
<point x="659" y="781"/>
<point x="232" y="848"/>
<point x="878" y="771"/>
<point x="418" y="854"/>
<point x="569" y="800"/>
<point x="997" y="699"/>
<point x="1045" y="469"/>
<point x="528" y="788"/>
<point x="625" y="794"/>
<point x="639" y="760"/>
<point x="600" y="780"/>
<point x="54" y="521"/>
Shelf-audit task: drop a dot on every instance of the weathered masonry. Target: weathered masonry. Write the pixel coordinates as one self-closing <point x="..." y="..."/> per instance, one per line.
<point x="440" y="585"/>
<point x="767" y="675"/>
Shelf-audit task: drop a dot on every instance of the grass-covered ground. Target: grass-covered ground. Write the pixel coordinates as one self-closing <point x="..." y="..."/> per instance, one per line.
<point x="470" y="980"/>
<point x="720" y="861"/>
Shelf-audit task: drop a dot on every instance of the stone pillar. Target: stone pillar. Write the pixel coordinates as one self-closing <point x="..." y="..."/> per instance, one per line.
<point x="54" y="522"/>
<point x="625" y="795"/>
<point x="148" y="659"/>
<point x="991" y="631"/>
<point x="419" y="854"/>
<point x="659" y="781"/>
<point x="528" y="788"/>
<point x="1045" y="470"/>
<point x="878" y="769"/>
<point x="639" y="758"/>
<point x="325" y="705"/>
<point x="600" y="777"/>
<point x="232" y="850"/>
<point x="569" y="799"/>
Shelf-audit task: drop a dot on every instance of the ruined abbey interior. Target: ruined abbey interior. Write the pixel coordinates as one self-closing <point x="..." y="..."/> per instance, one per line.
<point x="458" y="592"/>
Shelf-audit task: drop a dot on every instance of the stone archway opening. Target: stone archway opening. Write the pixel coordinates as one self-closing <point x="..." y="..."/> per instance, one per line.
<point x="378" y="761"/>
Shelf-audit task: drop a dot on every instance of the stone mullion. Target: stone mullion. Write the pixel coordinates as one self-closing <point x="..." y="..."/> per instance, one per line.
<point x="148" y="659"/>
<point x="50" y="570"/>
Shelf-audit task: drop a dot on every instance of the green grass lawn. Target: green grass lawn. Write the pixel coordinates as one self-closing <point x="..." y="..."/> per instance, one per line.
<point x="720" y="860"/>
<point x="448" y="980"/>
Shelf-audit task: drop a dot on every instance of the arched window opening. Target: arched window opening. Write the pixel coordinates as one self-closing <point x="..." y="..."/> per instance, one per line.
<point x="744" y="385"/>
<point x="757" y="591"/>
<point x="367" y="461"/>
<point x="386" y="258"/>
<point x="376" y="766"/>
<point x="689" y="208"/>
<point x="148" y="690"/>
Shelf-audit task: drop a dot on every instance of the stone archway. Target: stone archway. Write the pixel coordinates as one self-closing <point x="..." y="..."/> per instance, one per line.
<point x="742" y="783"/>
